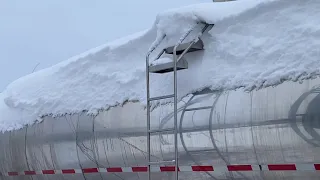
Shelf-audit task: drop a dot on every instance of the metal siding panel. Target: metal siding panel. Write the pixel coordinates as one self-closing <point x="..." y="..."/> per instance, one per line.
<point x="64" y="151"/>
<point x="86" y="146"/>
<point x="18" y="152"/>
<point x="5" y="149"/>
<point x="39" y="154"/>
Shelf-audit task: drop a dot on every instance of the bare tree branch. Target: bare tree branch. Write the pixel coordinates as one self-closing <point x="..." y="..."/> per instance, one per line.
<point x="35" y="68"/>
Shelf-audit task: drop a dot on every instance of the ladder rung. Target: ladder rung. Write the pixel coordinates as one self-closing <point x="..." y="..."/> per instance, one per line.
<point x="162" y="162"/>
<point x="156" y="131"/>
<point x="161" y="97"/>
<point x="199" y="108"/>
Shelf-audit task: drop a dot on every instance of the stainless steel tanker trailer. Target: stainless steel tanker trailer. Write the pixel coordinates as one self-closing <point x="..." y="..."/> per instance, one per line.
<point x="266" y="134"/>
<point x="273" y="131"/>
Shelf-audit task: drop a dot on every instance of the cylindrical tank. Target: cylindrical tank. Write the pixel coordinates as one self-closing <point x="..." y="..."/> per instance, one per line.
<point x="274" y="125"/>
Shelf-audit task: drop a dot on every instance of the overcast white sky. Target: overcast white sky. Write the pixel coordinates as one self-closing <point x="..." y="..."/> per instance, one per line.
<point x="50" y="31"/>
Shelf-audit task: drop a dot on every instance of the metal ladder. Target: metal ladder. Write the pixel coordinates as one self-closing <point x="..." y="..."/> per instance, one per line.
<point x="178" y="51"/>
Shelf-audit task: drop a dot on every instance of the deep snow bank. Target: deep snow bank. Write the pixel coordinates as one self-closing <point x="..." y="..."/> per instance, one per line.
<point x="252" y="45"/>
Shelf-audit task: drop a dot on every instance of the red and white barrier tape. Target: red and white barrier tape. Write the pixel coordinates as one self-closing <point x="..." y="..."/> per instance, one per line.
<point x="240" y="167"/>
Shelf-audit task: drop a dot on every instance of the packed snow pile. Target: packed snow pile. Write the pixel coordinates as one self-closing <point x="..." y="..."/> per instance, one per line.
<point x="254" y="44"/>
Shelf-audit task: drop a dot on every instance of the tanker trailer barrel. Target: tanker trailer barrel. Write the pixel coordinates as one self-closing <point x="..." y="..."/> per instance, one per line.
<point x="268" y="126"/>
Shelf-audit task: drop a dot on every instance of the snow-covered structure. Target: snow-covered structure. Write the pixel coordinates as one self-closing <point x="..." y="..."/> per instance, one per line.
<point x="260" y="63"/>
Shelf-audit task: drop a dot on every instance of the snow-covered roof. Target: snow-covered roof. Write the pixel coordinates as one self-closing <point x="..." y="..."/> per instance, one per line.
<point x="254" y="43"/>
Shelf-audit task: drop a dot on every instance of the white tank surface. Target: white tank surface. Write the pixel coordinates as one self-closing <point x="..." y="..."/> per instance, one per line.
<point x="276" y="125"/>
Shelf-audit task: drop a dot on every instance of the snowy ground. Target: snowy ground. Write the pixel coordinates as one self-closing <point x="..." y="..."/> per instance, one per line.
<point x="254" y="44"/>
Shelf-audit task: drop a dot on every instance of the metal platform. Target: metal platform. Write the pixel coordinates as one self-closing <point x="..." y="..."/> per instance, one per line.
<point x="178" y="51"/>
<point x="195" y="47"/>
<point x="168" y="66"/>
